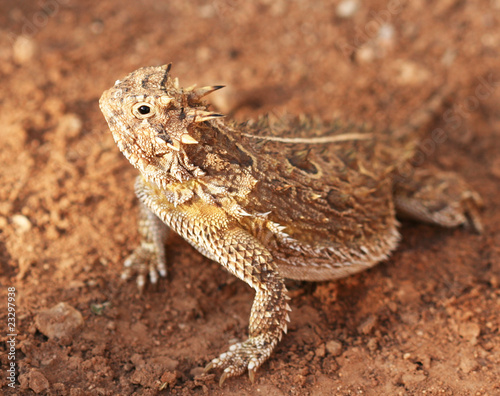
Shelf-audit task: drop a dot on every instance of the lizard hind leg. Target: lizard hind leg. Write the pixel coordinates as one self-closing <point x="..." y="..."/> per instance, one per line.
<point x="438" y="197"/>
<point x="252" y="353"/>
<point x="149" y="257"/>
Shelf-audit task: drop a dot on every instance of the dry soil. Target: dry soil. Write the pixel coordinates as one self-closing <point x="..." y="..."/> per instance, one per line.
<point x="425" y="322"/>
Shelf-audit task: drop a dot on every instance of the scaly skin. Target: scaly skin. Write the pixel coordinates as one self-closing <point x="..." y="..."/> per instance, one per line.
<point x="270" y="200"/>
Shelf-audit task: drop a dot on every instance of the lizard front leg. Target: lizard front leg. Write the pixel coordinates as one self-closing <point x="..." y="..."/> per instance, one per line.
<point x="220" y="237"/>
<point x="149" y="256"/>
<point x="246" y="258"/>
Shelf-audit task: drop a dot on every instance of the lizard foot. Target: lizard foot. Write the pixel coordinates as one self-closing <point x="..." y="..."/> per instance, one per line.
<point x="440" y="198"/>
<point x="144" y="261"/>
<point x="248" y="355"/>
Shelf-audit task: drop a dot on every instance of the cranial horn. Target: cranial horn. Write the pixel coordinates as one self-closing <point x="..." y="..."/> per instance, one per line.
<point x="209" y="116"/>
<point x="199" y="93"/>
<point x="167" y="67"/>
<point x="201" y="115"/>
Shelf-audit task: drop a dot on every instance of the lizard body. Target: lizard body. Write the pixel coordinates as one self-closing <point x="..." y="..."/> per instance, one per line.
<point x="270" y="199"/>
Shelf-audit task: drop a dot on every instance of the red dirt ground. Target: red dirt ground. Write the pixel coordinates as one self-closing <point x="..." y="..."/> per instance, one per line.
<point x="426" y="322"/>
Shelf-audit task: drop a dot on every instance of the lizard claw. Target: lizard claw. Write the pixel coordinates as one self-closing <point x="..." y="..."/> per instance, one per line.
<point x="231" y="371"/>
<point x="471" y="205"/>
<point x="251" y="375"/>
<point x="223" y="378"/>
<point x="208" y="367"/>
<point x="144" y="262"/>
<point x="248" y="355"/>
<point x="227" y="374"/>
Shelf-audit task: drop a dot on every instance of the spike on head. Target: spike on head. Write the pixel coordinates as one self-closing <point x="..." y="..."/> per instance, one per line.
<point x="197" y="94"/>
<point x="188" y="139"/>
<point x="210" y="116"/>
<point x="165" y="100"/>
<point x="201" y="115"/>
<point x="167" y="67"/>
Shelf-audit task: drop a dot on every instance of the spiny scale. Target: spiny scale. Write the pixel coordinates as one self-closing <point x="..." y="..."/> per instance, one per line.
<point x="187" y="139"/>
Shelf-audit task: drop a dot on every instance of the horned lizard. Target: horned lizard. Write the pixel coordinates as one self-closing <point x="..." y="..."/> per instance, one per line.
<point x="270" y="199"/>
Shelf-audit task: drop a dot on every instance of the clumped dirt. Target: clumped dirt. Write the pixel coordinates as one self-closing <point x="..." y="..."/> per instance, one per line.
<point x="424" y="322"/>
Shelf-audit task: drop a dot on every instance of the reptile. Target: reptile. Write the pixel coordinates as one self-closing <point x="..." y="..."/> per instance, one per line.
<point x="271" y="199"/>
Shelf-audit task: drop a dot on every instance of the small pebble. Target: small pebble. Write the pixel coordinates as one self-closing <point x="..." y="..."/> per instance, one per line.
<point x="347" y="8"/>
<point x="320" y="351"/>
<point x="367" y="326"/>
<point x="334" y="348"/>
<point x="411" y="73"/>
<point x="70" y="125"/>
<point x="35" y="381"/>
<point x="22" y="223"/>
<point x="169" y="379"/>
<point x="386" y="35"/>
<point x="24" y="50"/>
<point x="59" y="322"/>
<point x="365" y="54"/>
<point x="97" y="26"/>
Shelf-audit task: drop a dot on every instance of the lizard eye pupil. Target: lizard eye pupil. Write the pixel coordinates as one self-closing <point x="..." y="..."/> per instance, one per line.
<point x="144" y="109"/>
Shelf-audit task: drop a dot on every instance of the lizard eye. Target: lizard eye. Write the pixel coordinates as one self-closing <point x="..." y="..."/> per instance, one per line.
<point x="143" y="110"/>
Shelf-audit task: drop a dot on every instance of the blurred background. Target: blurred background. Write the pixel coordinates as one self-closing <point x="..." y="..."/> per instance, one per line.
<point x="426" y="321"/>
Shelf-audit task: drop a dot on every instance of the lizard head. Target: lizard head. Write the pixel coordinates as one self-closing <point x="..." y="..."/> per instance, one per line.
<point x="152" y="119"/>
